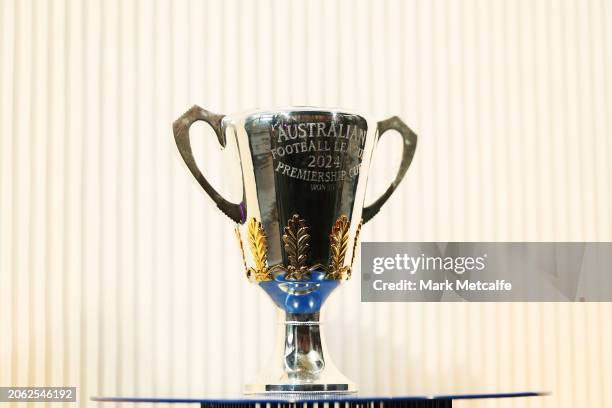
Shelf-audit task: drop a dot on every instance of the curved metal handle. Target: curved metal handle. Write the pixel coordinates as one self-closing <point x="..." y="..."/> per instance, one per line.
<point x="181" y="136"/>
<point x="409" y="146"/>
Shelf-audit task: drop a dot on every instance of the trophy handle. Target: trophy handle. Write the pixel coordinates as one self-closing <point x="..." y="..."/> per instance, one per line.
<point x="409" y="146"/>
<point x="181" y="136"/>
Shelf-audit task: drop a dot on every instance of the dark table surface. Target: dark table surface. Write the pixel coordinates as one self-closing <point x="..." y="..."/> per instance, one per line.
<point x="313" y="398"/>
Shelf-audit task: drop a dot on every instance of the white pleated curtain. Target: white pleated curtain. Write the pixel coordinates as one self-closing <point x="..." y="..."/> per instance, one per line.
<point x="118" y="275"/>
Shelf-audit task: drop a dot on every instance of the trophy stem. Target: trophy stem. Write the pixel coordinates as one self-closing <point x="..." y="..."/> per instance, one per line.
<point x="301" y="363"/>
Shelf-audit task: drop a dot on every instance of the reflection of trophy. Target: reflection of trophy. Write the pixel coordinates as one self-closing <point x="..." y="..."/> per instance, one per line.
<point x="304" y="174"/>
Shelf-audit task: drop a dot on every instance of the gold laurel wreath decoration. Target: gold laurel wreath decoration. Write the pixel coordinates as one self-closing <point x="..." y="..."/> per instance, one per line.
<point x="357" y="232"/>
<point x="239" y="239"/>
<point x="337" y="248"/>
<point x="258" y="243"/>
<point x="297" y="246"/>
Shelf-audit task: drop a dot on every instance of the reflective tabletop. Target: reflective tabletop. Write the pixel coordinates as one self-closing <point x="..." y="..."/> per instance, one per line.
<point x="313" y="398"/>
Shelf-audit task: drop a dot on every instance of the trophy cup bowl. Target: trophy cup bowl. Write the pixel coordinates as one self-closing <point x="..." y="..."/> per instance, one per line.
<point x="304" y="173"/>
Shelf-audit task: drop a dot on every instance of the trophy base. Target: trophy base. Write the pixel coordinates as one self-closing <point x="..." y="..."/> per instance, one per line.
<point x="300" y="388"/>
<point x="300" y="364"/>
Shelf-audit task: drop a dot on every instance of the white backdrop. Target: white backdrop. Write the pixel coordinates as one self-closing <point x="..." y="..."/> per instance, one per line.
<point x="117" y="274"/>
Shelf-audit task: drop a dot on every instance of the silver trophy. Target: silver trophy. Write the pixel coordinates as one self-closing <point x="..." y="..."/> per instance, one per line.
<point x="304" y="173"/>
